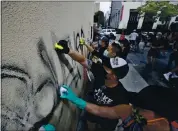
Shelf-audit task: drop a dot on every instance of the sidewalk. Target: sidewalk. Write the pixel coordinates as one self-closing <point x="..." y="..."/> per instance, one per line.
<point x="133" y="81"/>
<point x="151" y="77"/>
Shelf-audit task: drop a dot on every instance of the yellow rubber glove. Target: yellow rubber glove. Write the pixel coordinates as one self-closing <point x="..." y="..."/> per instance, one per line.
<point x="62" y="47"/>
<point x="57" y="46"/>
<point x="82" y="41"/>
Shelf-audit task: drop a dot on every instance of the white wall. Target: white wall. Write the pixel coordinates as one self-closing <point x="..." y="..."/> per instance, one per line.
<point x="31" y="69"/>
<point x="97" y="7"/>
<point x="116" y="8"/>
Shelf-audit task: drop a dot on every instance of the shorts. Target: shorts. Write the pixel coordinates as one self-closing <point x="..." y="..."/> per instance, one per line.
<point x="153" y="53"/>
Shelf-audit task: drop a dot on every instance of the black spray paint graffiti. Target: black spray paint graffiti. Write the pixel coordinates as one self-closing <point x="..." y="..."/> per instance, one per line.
<point x="21" y="117"/>
<point x="74" y="74"/>
<point x="79" y="48"/>
<point x="64" y="62"/>
<point x="91" y="36"/>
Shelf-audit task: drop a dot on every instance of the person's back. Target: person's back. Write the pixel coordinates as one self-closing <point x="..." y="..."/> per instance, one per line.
<point x="157" y="43"/>
<point x="133" y="36"/>
<point x="161" y="100"/>
<point x="122" y="37"/>
<point x="125" y="48"/>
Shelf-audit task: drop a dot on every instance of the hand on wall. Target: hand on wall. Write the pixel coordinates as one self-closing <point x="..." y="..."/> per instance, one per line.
<point x="67" y="93"/>
<point x="82" y="41"/>
<point x="62" y="47"/>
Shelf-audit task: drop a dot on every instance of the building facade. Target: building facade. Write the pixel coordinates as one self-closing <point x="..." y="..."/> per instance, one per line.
<point x="133" y="20"/>
<point x="116" y="7"/>
<point x="96" y="6"/>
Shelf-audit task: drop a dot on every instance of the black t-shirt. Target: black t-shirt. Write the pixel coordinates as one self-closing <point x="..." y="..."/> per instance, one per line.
<point x="105" y="96"/>
<point x="99" y="73"/>
<point x="158" y="42"/>
<point x="151" y="38"/>
<point x="166" y="43"/>
<point x="176" y="58"/>
<point x="101" y="51"/>
<point x="97" y="68"/>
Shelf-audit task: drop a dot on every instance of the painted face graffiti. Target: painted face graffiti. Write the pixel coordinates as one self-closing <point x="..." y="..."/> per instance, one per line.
<point x="30" y="77"/>
<point x="26" y="92"/>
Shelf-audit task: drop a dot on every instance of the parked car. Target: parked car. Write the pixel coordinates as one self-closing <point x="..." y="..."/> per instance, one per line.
<point x="107" y="32"/>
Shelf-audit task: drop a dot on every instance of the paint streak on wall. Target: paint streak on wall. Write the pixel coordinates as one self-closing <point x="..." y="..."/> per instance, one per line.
<point x="32" y="70"/>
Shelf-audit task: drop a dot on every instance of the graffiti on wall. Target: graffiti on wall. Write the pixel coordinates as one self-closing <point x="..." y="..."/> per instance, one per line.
<point x="23" y="97"/>
<point x="91" y="36"/>
<point x="33" y="88"/>
<point x="73" y="67"/>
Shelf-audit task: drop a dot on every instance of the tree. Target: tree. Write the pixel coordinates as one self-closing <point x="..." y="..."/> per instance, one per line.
<point x="99" y="18"/>
<point x="159" y="9"/>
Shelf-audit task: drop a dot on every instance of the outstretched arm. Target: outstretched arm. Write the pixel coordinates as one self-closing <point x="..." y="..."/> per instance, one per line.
<point x="90" y="49"/>
<point x="62" y="47"/>
<point x="79" y="58"/>
<point x="76" y="56"/>
<point x="114" y="112"/>
<point x="82" y="42"/>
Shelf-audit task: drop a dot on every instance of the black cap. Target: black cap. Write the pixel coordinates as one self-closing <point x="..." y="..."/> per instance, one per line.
<point x="118" y="65"/>
<point x="105" y="39"/>
<point x="112" y="36"/>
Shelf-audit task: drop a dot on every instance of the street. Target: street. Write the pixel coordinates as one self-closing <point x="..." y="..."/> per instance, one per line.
<point x="154" y="77"/>
<point x="138" y="62"/>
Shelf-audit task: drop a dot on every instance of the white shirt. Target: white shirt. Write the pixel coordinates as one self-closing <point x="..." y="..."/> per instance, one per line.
<point x="133" y="36"/>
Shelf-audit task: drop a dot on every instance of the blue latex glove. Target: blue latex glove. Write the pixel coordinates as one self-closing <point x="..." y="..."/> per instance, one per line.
<point x="47" y="127"/>
<point x="67" y="93"/>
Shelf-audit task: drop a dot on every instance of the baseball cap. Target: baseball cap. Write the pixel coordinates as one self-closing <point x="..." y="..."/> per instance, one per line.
<point x="111" y="36"/>
<point x="105" y="39"/>
<point x="118" y="65"/>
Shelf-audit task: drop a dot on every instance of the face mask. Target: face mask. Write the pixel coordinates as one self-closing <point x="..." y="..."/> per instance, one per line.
<point x="99" y="42"/>
<point x="106" y="53"/>
<point x="111" y="41"/>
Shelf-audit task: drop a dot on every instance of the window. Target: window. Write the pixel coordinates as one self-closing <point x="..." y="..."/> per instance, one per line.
<point x="108" y="31"/>
<point x="103" y="31"/>
<point x="113" y="30"/>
